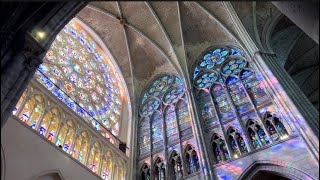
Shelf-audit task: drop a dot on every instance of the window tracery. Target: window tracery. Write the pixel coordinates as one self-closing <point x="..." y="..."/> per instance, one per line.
<point x="176" y="166"/>
<point x="159" y="170"/>
<point x="219" y="148"/>
<point x="145" y="173"/>
<point x="80" y="73"/>
<point x="193" y="164"/>
<point x="227" y="90"/>
<point x="39" y="111"/>
<point x="163" y="105"/>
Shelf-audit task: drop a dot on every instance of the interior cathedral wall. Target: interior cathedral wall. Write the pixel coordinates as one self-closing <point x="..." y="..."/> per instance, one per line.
<point x="28" y="155"/>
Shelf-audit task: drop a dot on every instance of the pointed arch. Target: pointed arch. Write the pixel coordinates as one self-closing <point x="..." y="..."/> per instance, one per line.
<point x="55" y="173"/>
<point x="275" y="168"/>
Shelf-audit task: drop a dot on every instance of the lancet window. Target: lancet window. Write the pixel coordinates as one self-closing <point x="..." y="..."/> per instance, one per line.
<point x="229" y="90"/>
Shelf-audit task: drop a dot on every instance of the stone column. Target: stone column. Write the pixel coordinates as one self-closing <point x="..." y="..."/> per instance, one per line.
<point x="305" y="14"/>
<point x="197" y="129"/>
<point x="17" y="73"/>
<point x="289" y="97"/>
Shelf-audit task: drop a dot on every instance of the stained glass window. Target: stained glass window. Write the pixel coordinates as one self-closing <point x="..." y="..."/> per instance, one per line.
<point x="145" y="174"/>
<point x="78" y="67"/>
<point x="176" y="166"/>
<point x="17" y="107"/>
<point x="192" y="161"/>
<point x="159" y="170"/>
<point x="275" y="127"/>
<point x="171" y="124"/>
<point x="32" y="111"/>
<point x="221" y="101"/>
<point x="254" y="87"/>
<point x="219" y="149"/>
<point x="184" y="119"/>
<point x="227" y="90"/>
<point x="157" y="131"/>
<point x="95" y="158"/>
<point x="144" y="136"/>
<point x="238" y="95"/>
<point x="163" y="102"/>
<point x="206" y="109"/>
<point x="50" y="124"/>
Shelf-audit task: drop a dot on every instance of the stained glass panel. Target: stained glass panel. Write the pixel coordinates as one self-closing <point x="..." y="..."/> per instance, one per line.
<point x="171" y="124"/>
<point x="184" y="119"/>
<point x="77" y="66"/>
<point x="221" y="101"/>
<point x="156" y="128"/>
<point x="205" y="80"/>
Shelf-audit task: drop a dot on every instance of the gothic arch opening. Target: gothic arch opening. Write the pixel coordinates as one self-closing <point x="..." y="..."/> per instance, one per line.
<point x="265" y="175"/>
<point x="270" y="170"/>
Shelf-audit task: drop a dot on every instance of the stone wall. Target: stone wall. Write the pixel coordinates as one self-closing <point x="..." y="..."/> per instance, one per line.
<point x="28" y="155"/>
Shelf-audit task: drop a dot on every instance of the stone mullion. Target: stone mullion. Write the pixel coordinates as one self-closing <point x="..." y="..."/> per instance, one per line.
<point x="33" y="108"/>
<point x="165" y="143"/>
<point x="28" y="97"/>
<point x="257" y="136"/>
<point x="88" y="153"/>
<point x="151" y="156"/>
<point x="63" y="142"/>
<point x="50" y="123"/>
<point x="100" y="170"/>
<point x="26" y="62"/>
<point x="275" y="128"/>
<point x="239" y="150"/>
<point x="180" y="144"/>
<point x="75" y="136"/>
<point x="59" y="129"/>
<point x="80" y="149"/>
<point x="256" y="109"/>
<point x="248" y="144"/>
<point x="41" y="119"/>
<point x="220" y="125"/>
<point x="197" y="129"/>
<point x="113" y="171"/>
<point x="297" y="105"/>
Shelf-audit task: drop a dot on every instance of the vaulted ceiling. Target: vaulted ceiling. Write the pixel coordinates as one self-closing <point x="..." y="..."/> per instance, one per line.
<point x="148" y="38"/>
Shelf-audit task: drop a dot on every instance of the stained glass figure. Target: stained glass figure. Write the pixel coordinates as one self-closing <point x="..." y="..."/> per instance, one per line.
<point x="219" y="148"/>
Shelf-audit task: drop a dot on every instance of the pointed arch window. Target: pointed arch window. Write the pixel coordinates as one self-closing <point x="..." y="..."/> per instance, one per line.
<point x="159" y="170"/>
<point x="145" y="172"/>
<point x="192" y="160"/>
<point x="175" y="166"/>
<point x="219" y="148"/>
<point x="257" y="135"/>
<point x="95" y="158"/>
<point x="66" y="136"/>
<point x="171" y="124"/>
<point x="50" y="124"/>
<point x="275" y="127"/>
<point x="18" y="106"/>
<point x="229" y="90"/>
<point x="237" y="143"/>
<point x="164" y="114"/>
<point x="106" y="166"/>
<point x="33" y="111"/>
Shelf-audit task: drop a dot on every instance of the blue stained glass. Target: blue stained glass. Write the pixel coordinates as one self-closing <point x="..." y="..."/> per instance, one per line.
<point x="235" y="52"/>
<point x="66" y="147"/>
<point x="232" y="80"/>
<point x="196" y="72"/>
<point x="42" y="130"/>
<point x="33" y="124"/>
